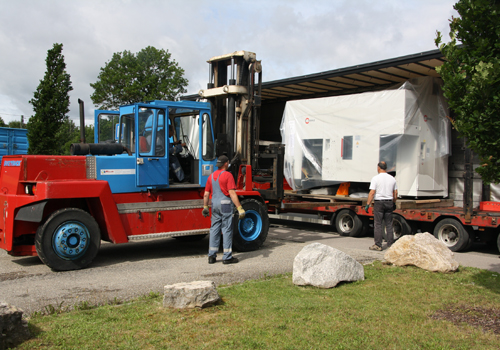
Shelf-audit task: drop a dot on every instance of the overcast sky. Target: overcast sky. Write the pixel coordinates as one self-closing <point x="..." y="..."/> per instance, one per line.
<point x="291" y="37"/>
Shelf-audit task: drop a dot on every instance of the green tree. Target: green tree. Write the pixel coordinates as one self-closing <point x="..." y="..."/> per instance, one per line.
<point x="51" y="105"/>
<point x="89" y="133"/>
<point x="68" y="133"/>
<point x="71" y="134"/>
<point x="471" y="76"/>
<point x="15" y="124"/>
<point x="2" y="123"/>
<point x="127" y="78"/>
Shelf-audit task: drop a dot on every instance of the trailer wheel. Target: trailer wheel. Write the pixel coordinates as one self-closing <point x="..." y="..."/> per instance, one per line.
<point x="452" y="233"/>
<point x="469" y="244"/>
<point x="68" y="240"/>
<point x="400" y="226"/>
<point x="250" y="232"/>
<point x="347" y="223"/>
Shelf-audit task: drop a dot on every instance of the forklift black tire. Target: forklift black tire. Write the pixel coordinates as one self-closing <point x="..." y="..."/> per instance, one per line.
<point x="68" y="240"/>
<point x="498" y="242"/>
<point x="250" y="232"/>
<point x="452" y="233"/>
<point x="348" y="223"/>
<point x="400" y="226"/>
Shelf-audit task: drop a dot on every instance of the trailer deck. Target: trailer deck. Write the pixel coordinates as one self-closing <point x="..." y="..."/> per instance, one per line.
<point x="349" y="218"/>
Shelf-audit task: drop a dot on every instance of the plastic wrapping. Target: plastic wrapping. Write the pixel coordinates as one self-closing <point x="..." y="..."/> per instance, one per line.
<point x="341" y="139"/>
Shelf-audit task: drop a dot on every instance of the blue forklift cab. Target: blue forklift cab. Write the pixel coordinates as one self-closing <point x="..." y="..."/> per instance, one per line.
<point x="140" y="128"/>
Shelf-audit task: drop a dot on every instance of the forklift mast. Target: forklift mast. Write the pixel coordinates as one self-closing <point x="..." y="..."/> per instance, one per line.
<point x="234" y="89"/>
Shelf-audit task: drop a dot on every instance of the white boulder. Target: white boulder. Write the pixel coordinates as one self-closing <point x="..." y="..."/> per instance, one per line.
<point x="190" y="295"/>
<point x="322" y="266"/>
<point x="422" y="250"/>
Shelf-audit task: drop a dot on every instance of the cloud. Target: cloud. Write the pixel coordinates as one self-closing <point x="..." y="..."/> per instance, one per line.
<point x="291" y="37"/>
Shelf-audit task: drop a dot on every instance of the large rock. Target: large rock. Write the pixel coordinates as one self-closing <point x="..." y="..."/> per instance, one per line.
<point x="422" y="250"/>
<point x="324" y="267"/>
<point x="190" y="295"/>
<point x="13" y="328"/>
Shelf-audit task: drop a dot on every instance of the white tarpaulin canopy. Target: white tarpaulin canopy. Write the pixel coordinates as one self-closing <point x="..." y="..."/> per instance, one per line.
<point x="342" y="138"/>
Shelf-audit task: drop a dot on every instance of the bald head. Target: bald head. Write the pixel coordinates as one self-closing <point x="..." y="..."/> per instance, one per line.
<point x="382" y="165"/>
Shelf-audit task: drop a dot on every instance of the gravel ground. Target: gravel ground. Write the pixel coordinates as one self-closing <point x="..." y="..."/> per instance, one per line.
<point x="125" y="271"/>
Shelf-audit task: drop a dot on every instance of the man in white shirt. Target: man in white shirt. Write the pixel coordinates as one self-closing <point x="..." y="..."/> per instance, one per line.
<point x="384" y="192"/>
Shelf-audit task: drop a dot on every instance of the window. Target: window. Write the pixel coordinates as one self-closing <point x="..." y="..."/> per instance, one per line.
<point x="146" y="144"/>
<point x="208" y="141"/>
<point x="145" y="131"/>
<point x="127" y="132"/>
<point x="107" y="125"/>
<point x="160" y="134"/>
<point x="187" y="132"/>
<point x="347" y="148"/>
<point x="388" y="150"/>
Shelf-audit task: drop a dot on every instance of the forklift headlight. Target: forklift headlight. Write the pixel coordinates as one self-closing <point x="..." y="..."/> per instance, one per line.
<point x="30" y="189"/>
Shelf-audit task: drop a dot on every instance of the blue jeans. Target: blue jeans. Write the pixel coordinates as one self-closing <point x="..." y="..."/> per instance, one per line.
<point x="222" y="222"/>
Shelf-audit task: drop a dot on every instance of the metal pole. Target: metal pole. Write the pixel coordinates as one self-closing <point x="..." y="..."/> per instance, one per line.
<point x="231" y="113"/>
<point x="468" y="178"/>
<point x="210" y="84"/>
<point x="82" y="121"/>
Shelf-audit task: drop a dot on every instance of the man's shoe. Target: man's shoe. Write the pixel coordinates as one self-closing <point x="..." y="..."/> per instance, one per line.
<point x="230" y="261"/>
<point x="211" y="260"/>
<point x="376" y="247"/>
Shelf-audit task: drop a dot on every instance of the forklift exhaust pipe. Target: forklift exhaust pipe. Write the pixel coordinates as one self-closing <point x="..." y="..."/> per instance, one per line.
<point x="82" y="121"/>
<point x="82" y="149"/>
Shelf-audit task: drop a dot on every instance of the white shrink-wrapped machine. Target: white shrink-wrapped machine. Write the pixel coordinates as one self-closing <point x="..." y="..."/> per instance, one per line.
<point x="340" y="139"/>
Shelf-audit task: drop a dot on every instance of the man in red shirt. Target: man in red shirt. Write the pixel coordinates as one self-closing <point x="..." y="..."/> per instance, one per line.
<point x="223" y="189"/>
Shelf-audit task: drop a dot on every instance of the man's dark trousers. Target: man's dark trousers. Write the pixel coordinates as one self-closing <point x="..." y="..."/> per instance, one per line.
<point x="382" y="211"/>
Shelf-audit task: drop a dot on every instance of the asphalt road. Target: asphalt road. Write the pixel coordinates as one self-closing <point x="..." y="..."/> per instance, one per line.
<point x="122" y="272"/>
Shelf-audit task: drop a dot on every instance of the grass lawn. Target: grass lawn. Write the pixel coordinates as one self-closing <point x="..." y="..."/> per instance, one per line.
<point x="393" y="308"/>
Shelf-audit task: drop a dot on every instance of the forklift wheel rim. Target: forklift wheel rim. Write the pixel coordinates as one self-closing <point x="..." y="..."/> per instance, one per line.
<point x="71" y="240"/>
<point x="250" y="226"/>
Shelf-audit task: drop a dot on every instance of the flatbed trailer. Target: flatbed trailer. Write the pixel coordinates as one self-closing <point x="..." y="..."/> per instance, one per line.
<point x="333" y="144"/>
<point x="347" y="216"/>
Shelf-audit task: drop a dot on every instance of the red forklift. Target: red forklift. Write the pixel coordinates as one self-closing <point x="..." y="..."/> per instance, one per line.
<point x="120" y="188"/>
